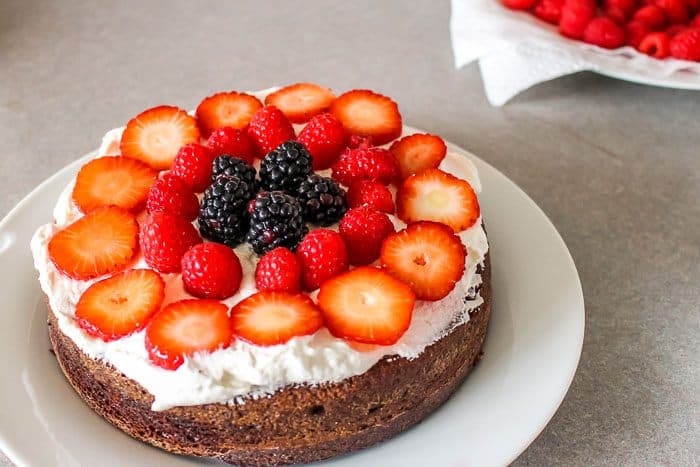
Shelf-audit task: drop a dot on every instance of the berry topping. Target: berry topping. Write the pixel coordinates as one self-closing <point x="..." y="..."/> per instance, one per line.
<point x="675" y="11"/>
<point x="322" y="200"/>
<point x="636" y="31"/>
<point x="211" y="270"/>
<point x="652" y="15"/>
<point x="155" y="135"/>
<point x="120" y="305"/>
<point x="548" y="10"/>
<point x="359" y="142"/>
<point x="366" y="164"/>
<point x="418" y="152"/>
<point x="229" y="166"/>
<point x="518" y="4"/>
<point x="275" y="220"/>
<point x="322" y="254"/>
<point x="271" y="318"/>
<point x="285" y="167"/>
<point x="370" y="193"/>
<point x="433" y="195"/>
<point x="192" y="165"/>
<point x="170" y="194"/>
<point x="269" y="128"/>
<point x="363" y="229"/>
<point x="575" y="16"/>
<point x="231" y="109"/>
<point x="278" y="270"/>
<point x="301" y="101"/>
<point x="686" y="45"/>
<point x="185" y="327"/>
<point x="164" y="240"/>
<point x="427" y="256"/>
<point x="605" y="33"/>
<point x="366" y="113"/>
<point x="231" y="142"/>
<point x="222" y="212"/>
<point x="113" y="181"/>
<point x="324" y="137"/>
<point x="656" y="44"/>
<point x="103" y="241"/>
<point x="366" y="305"/>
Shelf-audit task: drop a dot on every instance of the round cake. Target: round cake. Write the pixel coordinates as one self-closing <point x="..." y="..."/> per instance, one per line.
<point x="277" y="277"/>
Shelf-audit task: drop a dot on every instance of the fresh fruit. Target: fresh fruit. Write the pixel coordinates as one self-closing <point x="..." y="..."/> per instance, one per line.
<point x="285" y="167"/>
<point x="366" y="164"/>
<point x="324" y="137"/>
<point x="272" y="318"/>
<point x="427" y="256"/>
<point x="366" y="305"/>
<point x="226" y="109"/>
<point x="155" y="135"/>
<point x="182" y="328"/>
<point x="686" y="45"/>
<point x="222" y="212"/>
<point x="275" y="220"/>
<point x="322" y="254"/>
<point x="192" y="165"/>
<point x="675" y="11"/>
<point x="604" y="32"/>
<point x="120" y="305"/>
<point x="359" y="142"/>
<point x="418" y="152"/>
<point x="363" y="229"/>
<point x="301" y="101"/>
<point x="548" y="10"/>
<point x="170" y="194"/>
<point x="518" y="4"/>
<point x="268" y="129"/>
<point x="232" y="142"/>
<point x="575" y="16"/>
<point x="113" y="181"/>
<point x="367" y="113"/>
<point x="103" y="241"/>
<point x="322" y="200"/>
<point x="164" y="240"/>
<point x="619" y="10"/>
<point x="656" y="44"/>
<point x="211" y="270"/>
<point x="278" y="270"/>
<point x="636" y="31"/>
<point x="370" y="193"/>
<point x="652" y="15"/>
<point x="230" y="166"/>
<point x="695" y="23"/>
<point x="433" y="195"/>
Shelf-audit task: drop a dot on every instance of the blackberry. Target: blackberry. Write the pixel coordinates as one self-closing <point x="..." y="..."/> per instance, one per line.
<point x="231" y="166"/>
<point x="222" y="212"/>
<point x="275" y="220"/>
<point x="322" y="200"/>
<point x="285" y="167"/>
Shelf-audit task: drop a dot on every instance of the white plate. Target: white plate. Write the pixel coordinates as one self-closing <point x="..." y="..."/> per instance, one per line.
<point x="531" y="353"/>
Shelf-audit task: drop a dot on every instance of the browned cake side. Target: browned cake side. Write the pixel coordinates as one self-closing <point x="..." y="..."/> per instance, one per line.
<point x="296" y="424"/>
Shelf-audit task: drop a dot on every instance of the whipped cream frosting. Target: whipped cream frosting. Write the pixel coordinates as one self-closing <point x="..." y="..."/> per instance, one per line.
<point x="245" y="370"/>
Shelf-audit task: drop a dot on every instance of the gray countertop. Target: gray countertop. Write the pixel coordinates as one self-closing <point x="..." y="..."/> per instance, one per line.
<point x="616" y="166"/>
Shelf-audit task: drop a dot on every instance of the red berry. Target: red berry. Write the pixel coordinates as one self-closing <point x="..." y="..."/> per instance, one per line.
<point x="652" y="15"/>
<point x="686" y="45"/>
<point x="324" y="137"/>
<point x="418" y="152"/>
<point x="604" y="32"/>
<point x="656" y="44"/>
<point x="231" y="142"/>
<point x="192" y="165"/>
<point x="366" y="164"/>
<point x="363" y="230"/>
<point x="164" y="239"/>
<point x="549" y="10"/>
<point x="211" y="270"/>
<point x="675" y="10"/>
<point x="278" y="270"/>
<point x="367" y="113"/>
<point x="226" y="109"/>
<point x="301" y="101"/>
<point x="370" y="193"/>
<point x="170" y="194"/>
<point x="636" y="31"/>
<point x="269" y="128"/>
<point x="695" y="23"/>
<point x="619" y="10"/>
<point x="322" y="254"/>
<point x="674" y="29"/>
<point x="575" y="16"/>
<point x="359" y="142"/>
<point x="518" y="4"/>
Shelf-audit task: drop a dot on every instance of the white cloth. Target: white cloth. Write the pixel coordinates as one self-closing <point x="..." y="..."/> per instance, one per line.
<point x="517" y="50"/>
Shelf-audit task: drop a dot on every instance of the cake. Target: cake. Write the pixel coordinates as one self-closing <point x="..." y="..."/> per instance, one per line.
<point x="278" y="277"/>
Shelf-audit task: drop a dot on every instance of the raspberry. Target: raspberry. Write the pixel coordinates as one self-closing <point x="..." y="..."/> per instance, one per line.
<point x="656" y="44"/>
<point x="278" y="270"/>
<point x="170" y="194"/>
<point x="211" y="270"/>
<point x="619" y="10"/>
<point x="695" y="23"/>
<point x="686" y="45"/>
<point x="518" y="4"/>
<point x="636" y="31"/>
<point x="370" y="193"/>
<point x="675" y="10"/>
<point x="366" y="164"/>
<point x="164" y="239"/>
<point x="549" y="10"/>
<point x="231" y="142"/>
<point x="604" y="32"/>
<point x="269" y="128"/>
<point x="359" y="142"/>
<point x="575" y="16"/>
<point x="652" y="15"/>
<point x="674" y="29"/>
<point x="192" y="165"/>
<point x="363" y="230"/>
<point x="322" y="254"/>
<point x="324" y="137"/>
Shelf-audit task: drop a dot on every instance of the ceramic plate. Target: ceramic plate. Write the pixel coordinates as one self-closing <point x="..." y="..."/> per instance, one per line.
<point x="531" y="352"/>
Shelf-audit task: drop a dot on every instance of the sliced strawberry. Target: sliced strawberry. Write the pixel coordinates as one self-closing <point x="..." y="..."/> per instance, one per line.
<point x="271" y="318"/>
<point x="366" y="305"/>
<point x="427" y="256"/>
<point x="366" y="113"/>
<point x="433" y="195"/>
<point x="301" y="101"/>
<point x="113" y="181"/>
<point x="103" y="241"/>
<point x="185" y="327"/>
<point x="155" y="135"/>
<point x="418" y="152"/>
<point x="232" y="109"/>
<point x="120" y="305"/>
